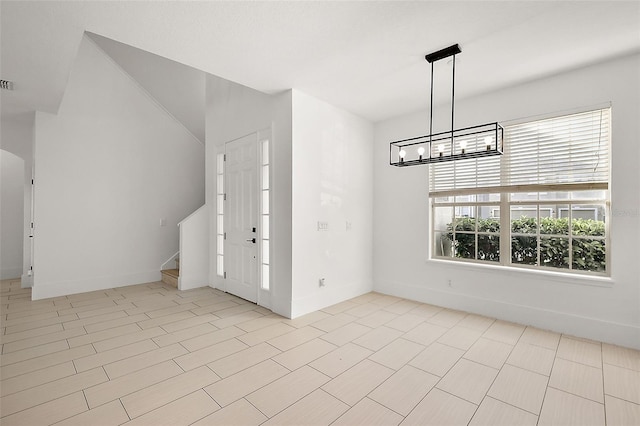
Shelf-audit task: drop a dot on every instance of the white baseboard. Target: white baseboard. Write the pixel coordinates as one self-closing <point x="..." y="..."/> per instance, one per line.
<point x="63" y="288"/>
<point x="281" y="306"/>
<point x="10" y="273"/>
<point x="590" y="328"/>
<point x="326" y="297"/>
<point x="188" y="283"/>
<point x="26" y="281"/>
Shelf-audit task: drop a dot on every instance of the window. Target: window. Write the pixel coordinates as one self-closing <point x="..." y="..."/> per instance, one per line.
<point x="220" y="214"/>
<point x="543" y="204"/>
<point x="264" y="213"/>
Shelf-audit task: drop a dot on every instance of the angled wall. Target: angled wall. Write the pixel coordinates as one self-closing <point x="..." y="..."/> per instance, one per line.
<point x="114" y="175"/>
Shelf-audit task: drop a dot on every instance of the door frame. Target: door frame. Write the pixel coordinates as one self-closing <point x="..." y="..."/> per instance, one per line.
<point x="263" y="296"/>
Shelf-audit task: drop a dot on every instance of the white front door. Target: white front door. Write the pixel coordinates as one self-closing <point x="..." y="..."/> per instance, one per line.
<point x="241" y="217"/>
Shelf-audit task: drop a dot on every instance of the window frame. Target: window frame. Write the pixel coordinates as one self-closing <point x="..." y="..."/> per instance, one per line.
<point x="506" y="203"/>
<point x="220" y="198"/>
<point x="265" y="213"/>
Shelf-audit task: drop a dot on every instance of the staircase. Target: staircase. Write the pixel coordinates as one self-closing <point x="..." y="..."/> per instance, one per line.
<point x="170" y="276"/>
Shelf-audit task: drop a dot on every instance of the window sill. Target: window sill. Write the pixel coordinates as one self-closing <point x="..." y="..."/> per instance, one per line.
<point x="561" y="277"/>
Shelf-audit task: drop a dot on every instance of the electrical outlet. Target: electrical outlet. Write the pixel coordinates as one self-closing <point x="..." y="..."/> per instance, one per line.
<point x="449" y="283"/>
<point x="348" y="226"/>
<point x="323" y="226"/>
<point x="321" y="282"/>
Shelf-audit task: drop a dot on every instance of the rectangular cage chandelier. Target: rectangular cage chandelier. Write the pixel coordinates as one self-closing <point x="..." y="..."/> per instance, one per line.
<point x="483" y="140"/>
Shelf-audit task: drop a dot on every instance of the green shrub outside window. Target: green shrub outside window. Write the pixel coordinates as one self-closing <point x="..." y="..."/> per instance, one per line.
<point x="552" y="242"/>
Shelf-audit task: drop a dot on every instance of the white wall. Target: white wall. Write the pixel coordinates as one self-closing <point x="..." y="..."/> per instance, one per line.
<point x="11" y="214"/>
<point x="280" y="256"/>
<point x="310" y="181"/>
<point x="178" y="87"/>
<point x="16" y="137"/>
<point x="332" y="183"/>
<point x="606" y="310"/>
<point x="194" y="250"/>
<point x="110" y="166"/>
<point x="233" y="111"/>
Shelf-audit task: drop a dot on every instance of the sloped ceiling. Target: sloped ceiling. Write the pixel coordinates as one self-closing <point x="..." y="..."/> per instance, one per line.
<point x="178" y="88"/>
<point x="364" y="56"/>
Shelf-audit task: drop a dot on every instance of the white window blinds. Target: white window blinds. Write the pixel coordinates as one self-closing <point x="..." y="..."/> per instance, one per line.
<point x="567" y="150"/>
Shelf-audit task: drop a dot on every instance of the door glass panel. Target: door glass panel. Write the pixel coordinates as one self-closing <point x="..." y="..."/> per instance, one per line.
<point x="265" y="251"/>
<point x="220" y="244"/>
<point x="265" y="226"/>
<point x="265" y="177"/>
<point x="265" y="277"/>
<point x="220" y="204"/>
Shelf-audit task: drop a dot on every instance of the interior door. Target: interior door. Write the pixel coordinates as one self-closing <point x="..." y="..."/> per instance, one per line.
<point x="241" y="217"/>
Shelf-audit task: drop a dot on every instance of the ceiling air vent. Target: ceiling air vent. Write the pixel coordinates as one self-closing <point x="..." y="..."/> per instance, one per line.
<point x="6" y="84"/>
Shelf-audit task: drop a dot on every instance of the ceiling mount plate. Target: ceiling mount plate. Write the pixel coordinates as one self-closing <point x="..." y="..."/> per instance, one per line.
<point x="443" y="53"/>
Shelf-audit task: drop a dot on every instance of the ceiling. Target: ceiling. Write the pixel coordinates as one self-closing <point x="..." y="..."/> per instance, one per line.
<point x="178" y="88"/>
<point x="366" y="57"/>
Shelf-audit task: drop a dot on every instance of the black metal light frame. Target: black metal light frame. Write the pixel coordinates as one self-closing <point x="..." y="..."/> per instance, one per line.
<point x="485" y="140"/>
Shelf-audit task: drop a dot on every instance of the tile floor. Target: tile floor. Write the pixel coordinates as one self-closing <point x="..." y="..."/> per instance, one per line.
<point x="151" y="355"/>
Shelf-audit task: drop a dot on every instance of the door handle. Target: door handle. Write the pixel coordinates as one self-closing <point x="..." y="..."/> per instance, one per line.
<point x="251" y="240"/>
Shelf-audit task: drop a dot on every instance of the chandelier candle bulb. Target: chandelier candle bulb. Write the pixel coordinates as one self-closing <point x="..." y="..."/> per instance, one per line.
<point x="440" y="150"/>
<point x="421" y="152"/>
<point x="487" y="142"/>
<point x="402" y="154"/>
<point x="463" y="146"/>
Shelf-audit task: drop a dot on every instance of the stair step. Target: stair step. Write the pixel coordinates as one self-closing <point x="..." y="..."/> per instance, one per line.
<point x="172" y="272"/>
<point x="170" y="277"/>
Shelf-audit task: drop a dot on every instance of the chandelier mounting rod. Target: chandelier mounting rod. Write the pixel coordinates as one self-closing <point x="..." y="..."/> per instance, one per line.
<point x="452" y="50"/>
